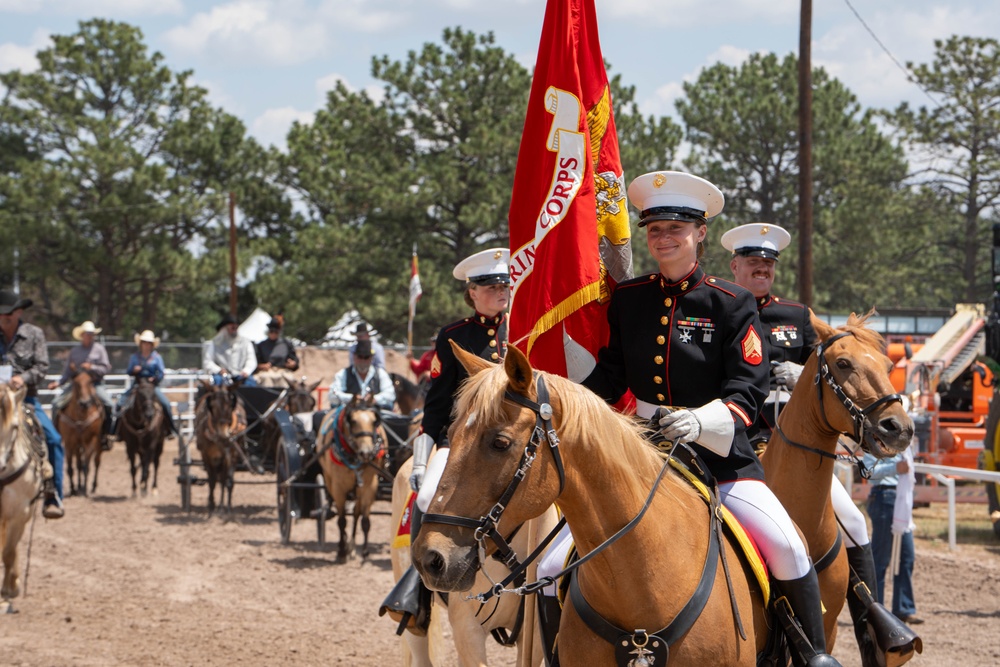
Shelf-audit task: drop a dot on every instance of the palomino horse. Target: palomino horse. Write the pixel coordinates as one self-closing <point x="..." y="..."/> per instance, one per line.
<point x="534" y="439"/>
<point x="143" y="427"/>
<point x="353" y="442"/>
<point x="23" y="467"/>
<point x="219" y="421"/>
<point x="80" y="423"/>
<point x="471" y="622"/>
<point x="409" y="395"/>
<point x="850" y="393"/>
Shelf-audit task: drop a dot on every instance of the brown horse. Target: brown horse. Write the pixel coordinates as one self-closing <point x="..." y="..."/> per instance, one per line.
<point x="601" y="481"/>
<point x="219" y="422"/>
<point x="143" y="427"/>
<point x="23" y="467"/>
<point x="409" y="395"/>
<point x="80" y="423"/>
<point x="850" y="358"/>
<point x="353" y="441"/>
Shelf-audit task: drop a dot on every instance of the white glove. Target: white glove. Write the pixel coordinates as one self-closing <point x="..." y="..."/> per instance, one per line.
<point x="787" y="373"/>
<point x="422" y="446"/>
<point x="680" y="425"/>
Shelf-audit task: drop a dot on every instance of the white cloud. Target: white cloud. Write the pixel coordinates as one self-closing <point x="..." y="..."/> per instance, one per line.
<point x="661" y="102"/>
<point x="361" y="16"/>
<point x="698" y="15"/>
<point x="15" y="56"/>
<point x="253" y="30"/>
<point x="272" y="126"/>
<point x="94" y="7"/>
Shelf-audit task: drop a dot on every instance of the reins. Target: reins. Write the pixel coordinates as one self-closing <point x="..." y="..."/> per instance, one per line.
<point x="858" y="415"/>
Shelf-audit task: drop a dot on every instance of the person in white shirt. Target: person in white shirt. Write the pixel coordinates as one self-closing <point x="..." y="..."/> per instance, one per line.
<point x="361" y="378"/>
<point x="230" y="355"/>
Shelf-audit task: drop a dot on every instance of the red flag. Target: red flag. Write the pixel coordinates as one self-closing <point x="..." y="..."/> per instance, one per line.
<point x="569" y="231"/>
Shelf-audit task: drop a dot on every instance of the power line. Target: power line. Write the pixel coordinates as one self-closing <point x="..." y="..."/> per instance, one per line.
<point x="906" y="72"/>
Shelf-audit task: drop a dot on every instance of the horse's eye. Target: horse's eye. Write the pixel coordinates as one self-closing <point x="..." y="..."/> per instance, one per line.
<point x="500" y="444"/>
<point x="843" y="364"/>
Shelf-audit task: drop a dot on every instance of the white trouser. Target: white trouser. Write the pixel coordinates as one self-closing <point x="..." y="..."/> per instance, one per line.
<point x="765" y="518"/>
<point x="852" y="521"/>
<point x="435" y="468"/>
<point x="554" y="558"/>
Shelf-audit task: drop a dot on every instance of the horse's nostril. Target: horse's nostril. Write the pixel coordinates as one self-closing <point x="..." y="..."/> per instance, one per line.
<point x="890" y="425"/>
<point x="433" y="563"/>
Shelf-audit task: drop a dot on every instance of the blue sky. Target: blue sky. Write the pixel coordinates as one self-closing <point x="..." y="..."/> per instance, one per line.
<point x="271" y="61"/>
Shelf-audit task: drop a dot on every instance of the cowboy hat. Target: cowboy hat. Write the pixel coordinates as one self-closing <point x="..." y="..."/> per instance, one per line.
<point x="85" y="328"/>
<point x="228" y="318"/>
<point x="9" y="302"/>
<point x="147" y="337"/>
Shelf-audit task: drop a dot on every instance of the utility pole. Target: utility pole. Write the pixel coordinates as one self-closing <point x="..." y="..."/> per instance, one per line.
<point x="232" y="253"/>
<point x="805" y="155"/>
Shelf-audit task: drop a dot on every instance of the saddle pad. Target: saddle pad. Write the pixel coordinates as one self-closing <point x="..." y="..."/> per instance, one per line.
<point x="402" y="538"/>
<point x="736" y="530"/>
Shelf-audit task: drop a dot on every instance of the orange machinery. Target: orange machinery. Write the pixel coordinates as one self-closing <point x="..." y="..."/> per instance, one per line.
<point x="949" y="388"/>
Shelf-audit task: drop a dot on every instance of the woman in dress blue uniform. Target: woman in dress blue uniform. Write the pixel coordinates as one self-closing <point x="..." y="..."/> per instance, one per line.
<point x="685" y="339"/>
<point x="486" y="275"/>
<point x="789" y="339"/>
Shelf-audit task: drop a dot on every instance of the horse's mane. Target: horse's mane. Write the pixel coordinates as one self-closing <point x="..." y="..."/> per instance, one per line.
<point x="8" y="411"/>
<point x="857" y="325"/>
<point x="585" y="420"/>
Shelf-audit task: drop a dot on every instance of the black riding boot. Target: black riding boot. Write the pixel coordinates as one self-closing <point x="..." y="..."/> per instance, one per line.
<point x="107" y="429"/>
<point x="883" y="639"/>
<point x="809" y="645"/>
<point x="549" y="614"/>
<point x="409" y="602"/>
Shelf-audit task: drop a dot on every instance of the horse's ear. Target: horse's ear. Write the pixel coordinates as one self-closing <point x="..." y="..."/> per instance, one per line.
<point x="823" y="330"/>
<point x="311" y="388"/>
<point x="472" y="363"/>
<point x="518" y="370"/>
<point x="20" y="394"/>
<point x="207" y="384"/>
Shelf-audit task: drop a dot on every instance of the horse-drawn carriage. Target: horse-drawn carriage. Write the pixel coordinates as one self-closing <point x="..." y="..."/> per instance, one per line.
<point x="264" y="430"/>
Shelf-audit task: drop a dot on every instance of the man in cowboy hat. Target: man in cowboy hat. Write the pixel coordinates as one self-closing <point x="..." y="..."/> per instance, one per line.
<point x="362" y="332"/>
<point x="229" y="354"/>
<point x="87" y="357"/>
<point x="24" y="361"/>
<point x="147" y="363"/>
<point x="361" y="378"/>
<point x="276" y="358"/>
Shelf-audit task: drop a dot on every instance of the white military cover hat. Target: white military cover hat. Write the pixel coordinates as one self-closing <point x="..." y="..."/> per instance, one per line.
<point x="86" y="327"/>
<point x="487" y="267"/>
<point x="674" y="195"/>
<point x="757" y="239"/>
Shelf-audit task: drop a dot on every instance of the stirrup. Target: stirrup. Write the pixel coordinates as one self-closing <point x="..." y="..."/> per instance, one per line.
<point x="895" y="640"/>
<point x="409" y="604"/>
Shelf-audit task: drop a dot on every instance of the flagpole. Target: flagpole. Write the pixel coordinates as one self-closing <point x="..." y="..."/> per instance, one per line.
<point x="414" y="295"/>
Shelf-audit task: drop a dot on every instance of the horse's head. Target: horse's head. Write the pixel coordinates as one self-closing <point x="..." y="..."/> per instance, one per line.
<point x="300" y="396"/>
<point x="362" y="428"/>
<point x="145" y="399"/>
<point x="83" y="390"/>
<point x="219" y="406"/>
<point x="856" y="395"/>
<point x="408" y="395"/>
<point x="499" y="447"/>
<point x="10" y="419"/>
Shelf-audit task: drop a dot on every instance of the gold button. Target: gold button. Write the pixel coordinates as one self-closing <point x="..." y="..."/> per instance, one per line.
<point x="490" y="332"/>
<point x="482" y="320"/>
<point x="661" y="340"/>
<point x="711" y="280"/>
<point x="493" y="343"/>
<point x="668" y="302"/>
<point x="658" y="359"/>
<point x="664" y="320"/>
<point x="494" y="356"/>
<point x="660" y="398"/>
<point x="657" y="379"/>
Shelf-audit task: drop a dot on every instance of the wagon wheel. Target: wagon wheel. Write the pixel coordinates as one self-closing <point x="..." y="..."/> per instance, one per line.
<point x="184" y="476"/>
<point x="321" y="510"/>
<point x="285" y="507"/>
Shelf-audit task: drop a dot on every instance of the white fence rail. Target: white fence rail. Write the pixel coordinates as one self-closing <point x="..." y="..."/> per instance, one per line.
<point x="945" y="475"/>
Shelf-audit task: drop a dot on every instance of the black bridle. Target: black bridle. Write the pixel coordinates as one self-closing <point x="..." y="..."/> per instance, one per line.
<point x="486" y="526"/>
<point x="858" y="415"/>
